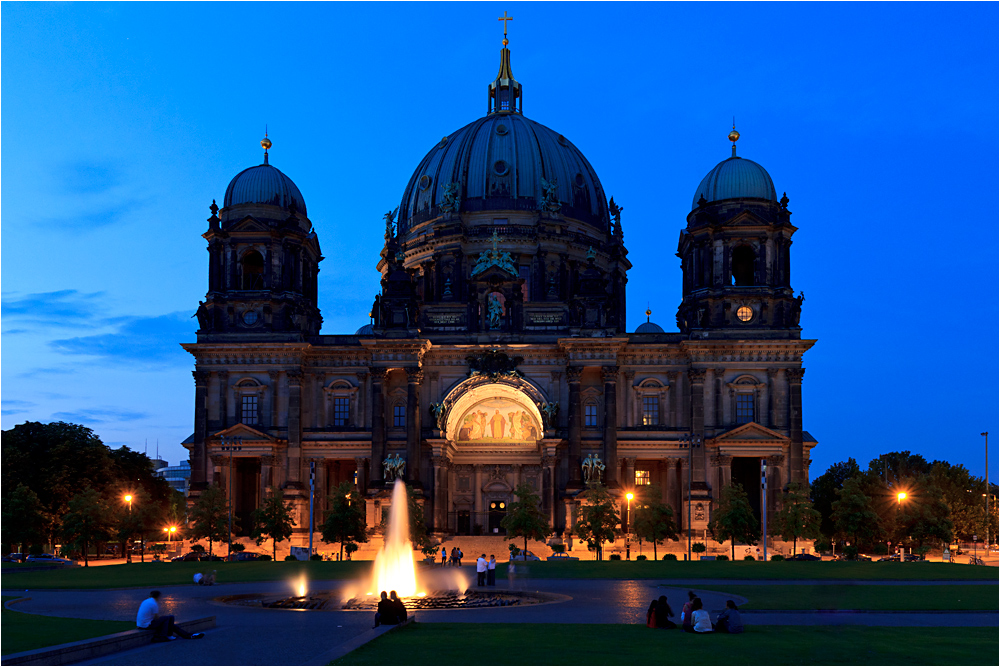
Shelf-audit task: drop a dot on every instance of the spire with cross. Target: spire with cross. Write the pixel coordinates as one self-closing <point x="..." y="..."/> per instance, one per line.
<point x="504" y="90"/>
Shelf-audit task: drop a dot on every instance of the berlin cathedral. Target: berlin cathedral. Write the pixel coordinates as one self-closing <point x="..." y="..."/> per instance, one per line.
<point x="497" y="352"/>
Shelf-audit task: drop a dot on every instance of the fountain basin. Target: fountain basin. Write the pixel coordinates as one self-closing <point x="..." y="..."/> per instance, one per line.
<point x="439" y="600"/>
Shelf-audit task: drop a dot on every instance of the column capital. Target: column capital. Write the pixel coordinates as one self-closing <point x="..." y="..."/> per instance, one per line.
<point x="794" y="375"/>
<point x="573" y="373"/>
<point x="294" y="376"/>
<point x="549" y="461"/>
<point x="776" y="459"/>
<point x="414" y="375"/>
<point x="722" y="460"/>
<point x="200" y="377"/>
<point x="273" y="375"/>
<point x="268" y="460"/>
<point x="361" y="375"/>
<point x="720" y="373"/>
<point x="696" y="375"/>
<point x="609" y="374"/>
<point x="629" y="375"/>
<point x="378" y="374"/>
<point x="772" y="373"/>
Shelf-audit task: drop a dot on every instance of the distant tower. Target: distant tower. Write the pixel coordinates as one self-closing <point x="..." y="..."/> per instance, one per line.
<point x="263" y="258"/>
<point x="736" y="256"/>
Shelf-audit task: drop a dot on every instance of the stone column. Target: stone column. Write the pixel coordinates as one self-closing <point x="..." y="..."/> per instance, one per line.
<point x="772" y="376"/>
<point x="775" y="464"/>
<point x="294" y="429"/>
<point x="629" y="480"/>
<point x="439" y="492"/>
<point x="797" y="469"/>
<point x="696" y="376"/>
<point x="674" y="396"/>
<point x="672" y="486"/>
<point x="575" y="425"/>
<point x="781" y="401"/>
<point x="414" y="376"/>
<point x="272" y="396"/>
<point x="378" y="427"/>
<point x="610" y="376"/>
<point x="223" y="377"/>
<point x="549" y="486"/>
<point x="720" y="383"/>
<point x="319" y="408"/>
<point x="682" y="492"/>
<point x="267" y="464"/>
<point x="322" y="499"/>
<point x="361" y="418"/>
<point x="199" y="460"/>
<point x="725" y="464"/>
<point x="630" y="399"/>
<point x="361" y="465"/>
<point x="477" y="498"/>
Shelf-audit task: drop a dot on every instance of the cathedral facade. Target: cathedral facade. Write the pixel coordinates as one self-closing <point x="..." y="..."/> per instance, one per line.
<point x="497" y="352"/>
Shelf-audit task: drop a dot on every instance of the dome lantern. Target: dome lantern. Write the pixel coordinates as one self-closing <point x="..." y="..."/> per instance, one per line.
<point x="504" y="92"/>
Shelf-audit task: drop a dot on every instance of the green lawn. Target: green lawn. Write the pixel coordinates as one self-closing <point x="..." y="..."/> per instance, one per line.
<point x="755" y="570"/>
<point x="585" y="644"/>
<point x="899" y="598"/>
<point x="163" y="574"/>
<point x="24" y="632"/>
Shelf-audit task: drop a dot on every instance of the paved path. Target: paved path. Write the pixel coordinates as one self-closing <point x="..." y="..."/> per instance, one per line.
<point x="251" y="636"/>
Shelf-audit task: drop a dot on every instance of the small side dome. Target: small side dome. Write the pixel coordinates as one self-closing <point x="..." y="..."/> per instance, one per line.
<point x="264" y="184"/>
<point x="649" y="327"/>
<point x="366" y="330"/>
<point x="735" y="178"/>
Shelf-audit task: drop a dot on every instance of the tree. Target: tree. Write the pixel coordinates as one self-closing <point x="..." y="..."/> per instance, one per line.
<point x="853" y="515"/>
<point x="273" y="519"/>
<point x="87" y="521"/>
<point x="796" y="519"/>
<point x="824" y="491"/>
<point x="22" y="517"/>
<point x="923" y="516"/>
<point x="525" y="518"/>
<point x="654" y="520"/>
<point x="345" y="522"/>
<point x="210" y="516"/>
<point x="598" y="522"/>
<point x="734" y="519"/>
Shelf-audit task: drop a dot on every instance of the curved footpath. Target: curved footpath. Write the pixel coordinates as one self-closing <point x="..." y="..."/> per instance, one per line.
<point x="246" y="635"/>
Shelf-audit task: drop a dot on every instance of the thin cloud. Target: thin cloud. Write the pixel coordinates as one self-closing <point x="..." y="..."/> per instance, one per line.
<point x="61" y="308"/>
<point x="98" y="416"/>
<point x="137" y="340"/>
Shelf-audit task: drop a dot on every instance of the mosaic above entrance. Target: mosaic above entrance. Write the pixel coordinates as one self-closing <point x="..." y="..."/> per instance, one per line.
<point x="498" y="420"/>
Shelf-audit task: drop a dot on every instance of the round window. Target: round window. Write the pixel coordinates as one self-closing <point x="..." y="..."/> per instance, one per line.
<point x="500" y="168"/>
<point x="562" y="141"/>
<point x="250" y="318"/>
<point x="501" y="129"/>
<point x="425" y="182"/>
<point x="744" y="313"/>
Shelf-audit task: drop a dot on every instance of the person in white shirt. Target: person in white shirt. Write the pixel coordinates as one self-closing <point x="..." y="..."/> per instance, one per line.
<point x="701" y="622"/>
<point x="491" y="571"/>
<point x="163" y="627"/>
<point x="481" y="570"/>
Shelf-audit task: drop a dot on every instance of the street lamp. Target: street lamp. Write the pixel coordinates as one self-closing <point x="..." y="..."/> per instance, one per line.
<point x="231" y="445"/>
<point x="628" y="525"/>
<point x="689" y="441"/>
<point x="128" y="498"/>
<point x="986" y="437"/>
<point x="900" y="497"/>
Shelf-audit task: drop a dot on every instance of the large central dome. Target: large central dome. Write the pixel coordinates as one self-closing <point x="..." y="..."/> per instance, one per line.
<point x="504" y="162"/>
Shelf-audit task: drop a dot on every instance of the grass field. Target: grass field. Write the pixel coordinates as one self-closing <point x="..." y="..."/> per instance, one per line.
<point x="163" y="574"/>
<point x="875" y="598"/>
<point x="24" y="632"/>
<point x="530" y="644"/>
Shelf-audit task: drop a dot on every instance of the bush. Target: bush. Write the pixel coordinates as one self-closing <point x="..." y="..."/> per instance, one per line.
<point x="698" y="548"/>
<point x="722" y="557"/>
<point x="290" y="557"/>
<point x="316" y="557"/>
<point x="851" y="553"/>
<point x="640" y="557"/>
<point x="880" y="549"/>
<point x="777" y="557"/>
<point x="669" y="556"/>
<point x="558" y="548"/>
<point x="264" y="557"/>
<point x="749" y="557"/>
<point x="198" y="548"/>
<point x="823" y="545"/>
<point x="615" y="557"/>
<point x="238" y="547"/>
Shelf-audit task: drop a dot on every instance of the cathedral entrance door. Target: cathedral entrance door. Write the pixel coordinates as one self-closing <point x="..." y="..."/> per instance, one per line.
<point x="464" y="526"/>
<point x="498" y="510"/>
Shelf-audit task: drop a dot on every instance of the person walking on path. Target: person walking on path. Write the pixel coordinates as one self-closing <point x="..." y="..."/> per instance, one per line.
<point x="511" y="574"/>
<point x="491" y="571"/>
<point x="163" y="627"/>
<point x="481" y="570"/>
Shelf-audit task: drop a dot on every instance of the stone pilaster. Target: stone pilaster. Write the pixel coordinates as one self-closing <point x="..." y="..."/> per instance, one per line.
<point x="610" y="377"/>
<point x="796" y="456"/>
<point x="199" y="463"/>
<point x="294" y="466"/>
<point x="575" y="427"/>
<point x="378" y="427"/>
<point x="772" y="378"/>
<point x="414" y="376"/>
<point x="696" y="377"/>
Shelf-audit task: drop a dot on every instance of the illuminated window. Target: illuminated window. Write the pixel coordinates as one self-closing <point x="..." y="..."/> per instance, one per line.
<point x="399" y="416"/>
<point x="590" y="415"/>
<point x="249" y="413"/>
<point x="650" y="410"/>
<point x="341" y="410"/>
<point x="744" y="313"/>
<point x="642" y="478"/>
<point x="744" y="408"/>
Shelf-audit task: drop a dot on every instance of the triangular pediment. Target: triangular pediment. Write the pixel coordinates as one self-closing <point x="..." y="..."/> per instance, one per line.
<point x="249" y="224"/>
<point x="748" y="219"/>
<point x="248" y="434"/>
<point x="749" y="432"/>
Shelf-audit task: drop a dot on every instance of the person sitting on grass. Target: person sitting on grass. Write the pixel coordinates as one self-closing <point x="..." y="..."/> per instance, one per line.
<point x="385" y="614"/>
<point x="651" y="615"/>
<point x="163" y="627"/>
<point x="398" y="607"/>
<point x="663" y="614"/>
<point x="686" y="612"/>
<point x="729" y="620"/>
<point x="701" y="622"/>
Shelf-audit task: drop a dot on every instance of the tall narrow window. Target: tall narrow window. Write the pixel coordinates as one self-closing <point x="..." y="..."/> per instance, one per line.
<point x="341" y="409"/>
<point x="744" y="408"/>
<point x="590" y="415"/>
<point x="253" y="271"/>
<point x="743" y="266"/>
<point x="249" y="412"/>
<point x="650" y="410"/>
<point x="642" y="478"/>
<point x="399" y="416"/>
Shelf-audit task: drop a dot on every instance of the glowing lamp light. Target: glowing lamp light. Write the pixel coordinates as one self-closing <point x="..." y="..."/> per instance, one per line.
<point x="629" y="496"/>
<point x="128" y="498"/>
<point x="901" y="495"/>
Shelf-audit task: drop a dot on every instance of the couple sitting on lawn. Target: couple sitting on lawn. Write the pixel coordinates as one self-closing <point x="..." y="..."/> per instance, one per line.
<point x="694" y="618"/>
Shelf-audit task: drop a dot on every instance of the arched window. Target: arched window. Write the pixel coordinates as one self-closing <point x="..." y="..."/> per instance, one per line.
<point x="743" y="266"/>
<point x="249" y="395"/>
<point x="252" y="267"/>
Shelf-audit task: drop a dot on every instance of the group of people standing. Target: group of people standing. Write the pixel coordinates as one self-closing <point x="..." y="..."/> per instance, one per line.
<point x="694" y="618"/>
<point x="486" y="571"/>
<point x="454" y="559"/>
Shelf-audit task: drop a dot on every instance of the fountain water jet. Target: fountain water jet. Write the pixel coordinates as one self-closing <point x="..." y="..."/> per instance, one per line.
<point x="394" y="568"/>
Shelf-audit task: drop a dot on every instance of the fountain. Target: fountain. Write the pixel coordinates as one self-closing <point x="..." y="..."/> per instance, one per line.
<point x="394" y="568"/>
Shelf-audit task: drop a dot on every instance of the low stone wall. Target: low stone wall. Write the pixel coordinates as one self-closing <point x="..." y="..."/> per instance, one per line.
<point x="89" y="649"/>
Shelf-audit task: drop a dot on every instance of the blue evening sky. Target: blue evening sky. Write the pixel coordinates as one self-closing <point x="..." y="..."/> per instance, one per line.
<point x="121" y="123"/>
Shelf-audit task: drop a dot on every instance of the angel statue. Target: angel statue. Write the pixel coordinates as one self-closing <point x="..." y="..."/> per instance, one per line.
<point x="390" y="219"/>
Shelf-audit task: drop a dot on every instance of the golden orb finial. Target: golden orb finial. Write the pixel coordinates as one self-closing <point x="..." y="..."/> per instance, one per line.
<point x="648" y="313"/>
<point x="734" y="136"/>
<point x="265" y="143"/>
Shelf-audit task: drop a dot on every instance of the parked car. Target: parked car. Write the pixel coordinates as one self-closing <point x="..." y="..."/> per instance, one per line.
<point x="244" y="556"/>
<point x="211" y="557"/>
<point x="48" y="558"/>
<point x="562" y="556"/>
<point x="192" y="555"/>
<point x="910" y="558"/>
<point x="14" y="558"/>
<point x="803" y="557"/>
<point x="526" y="555"/>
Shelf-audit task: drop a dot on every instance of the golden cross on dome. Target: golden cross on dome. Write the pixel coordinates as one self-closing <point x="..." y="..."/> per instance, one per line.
<point x="505" y="18"/>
